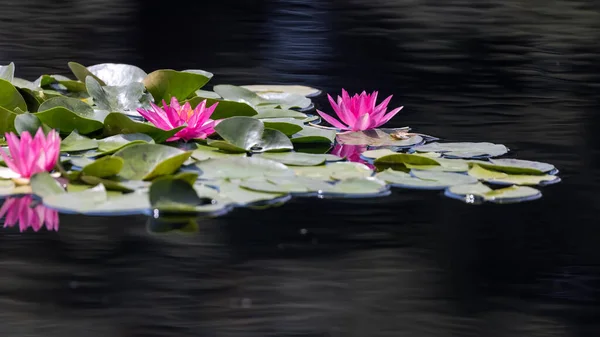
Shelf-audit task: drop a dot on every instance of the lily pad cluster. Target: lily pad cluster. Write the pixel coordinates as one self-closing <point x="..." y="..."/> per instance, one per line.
<point x="266" y="148"/>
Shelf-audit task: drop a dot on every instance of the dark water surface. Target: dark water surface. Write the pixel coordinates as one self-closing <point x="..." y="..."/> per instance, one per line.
<point x="522" y="73"/>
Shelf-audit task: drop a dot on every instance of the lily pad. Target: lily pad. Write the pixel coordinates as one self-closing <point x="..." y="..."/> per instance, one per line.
<point x="399" y="161"/>
<point x="241" y="168"/>
<point x="117" y="123"/>
<point x="287" y="126"/>
<point x="207" y="94"/>
<point x="425" y="180"/>
<point x="501" y="178"/>
<point x="10" y="98"/>
<point x="310" y="134"/>
<point x="225" y="108"/>
<point x="8" y="188"/>
<point x="296" y="185"/>
<point x="148" y="161"/>
<point x="468" y="193"/>
<point x="290" y="89"/>
<point x="116" y="184"/>
<point x="299" y="158"/>
<point x="115" y="98"/>
<point x="445" y="165"/>
<point x="280" y="113"/>
<point x="358" y="187"/>
<point x="7" y="72"/>
<point x="376" y="138"/>
<point x="334" y="171"/>
<point x="104" y="167"/>
<point x="115" y="143"/>
<point x="30" y="123"/>
<point x="374" y="154"/>
<point x="166" y="83"/>
<point x="208" y="152"/>
<point x="464" y="150"/>
<point x="173" y="195"/>
<point x="43" y="185"/>
<point x="114" y="74"/>
<point x="81" y="73"/>
<point x="7" y="120"/>
<point x="249" y="134"/>
<point x="76" y="142"/>
<point x="523" y="164"/>
<point x="283" y="100"/>
<point x="69" y="114"/>
<point x="244" y="197"/>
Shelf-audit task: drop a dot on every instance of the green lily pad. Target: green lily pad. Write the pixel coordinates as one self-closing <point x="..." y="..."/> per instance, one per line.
<point x="81" y="72"/>
<point x="96" y="201"/>
<point x="334" y="171"/>
<point x="275" y="88"/>
<point x="69" y="114"/>
<point x="10" y="98"/>
<point x="207" y="94"/>
<point x="510" y="179"/>
<point x="374" y="154"/>
<point x="7" y="120"/>
<point x="166" y="83"/>
<point x="241" y="168"/>
<point x="115" y="143"/>
<point x="249" y="134"/>
<point x="236" y="194"/>
<point x="287" y="126"/>
<point x="279" y="113"/>
<point x="427" y="180"/>
<point x="283" y="100"/>
<point x="115" y="98"/>
<point x="445" y="165"/>
<point x="32" y="99"/>
<point x="208" y="152"/>
<point x="30" y="123"/>
<point x="375" y="138"/>
<point x="149" y="161"/>
<point x="7" y="72"/>
<point x="115" y="183"/>
<point x="399" y="161"/>
<point x="117" y="123"/>
<point x="310" y="134"/>
<point x="76" y="142"/>
<point x="299" y="158"/>
<point x="114" y="74"/>
<point x="43" y="185"/>
<point x="225" y="108"/>
<point x="104" y="167"/>
<point x="520" y="165"/>
<point x="358" y="187"/>
<point x="464" y="150"/>
<point x="285" y="185"/>
<point x="503" y="195"/>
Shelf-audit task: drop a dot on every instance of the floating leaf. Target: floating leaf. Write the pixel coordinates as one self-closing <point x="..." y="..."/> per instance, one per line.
<point x="510" y="179"/>
<point x="148" y="161"/>
<point x="464" y="150"/>
<point x="510" y="194"/>
<point x="115" y="74"/>
<point x="291" y="89"/>
<point x="358" y="187"/>
<point x="117" y="123"/>
<point x="104" y="167"/>
<point x="286" y="185"/>
<point x="81" y="73"/>
<point x="287" y="126"/>
<point x="249" y="134"/>
<point x="7" y="73"/>
<point x="29" y="123"/>
<point x="445" y="165"/>
<point x="429" y="180"/>
<point x="69" y="114"/>
<point x="334" y="171"/>
<point x="279" y="113"/>
<point x="241" y="168"/>
<point x="207" y="152"/>
<point x="374" y="154"/>
<point x="523" y="164"/>
<point x="299" y="158"/>
<point x="43" y="185"/>
<point x="114" y="143"/>
<point x="116" y="184"/>
<point x="121" y="98"/>
<point x="242" y="196"/>
<point x="284" y="100"/>
<point x="76" y="142"/>
<point x="375" y="138"/>
<point x="310" y="134"/>
<point x="96" y="201"/>
<point x="167" y="83"/>
<point x="225" y="108"/>
<point x="207" y="94"/>
<point x="399" y="161"/>
<point x="10" y="98"/>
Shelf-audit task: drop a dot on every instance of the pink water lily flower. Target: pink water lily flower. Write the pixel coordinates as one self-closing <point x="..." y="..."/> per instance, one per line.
<point x="19" y="210"/>
<point x="198" y="124"/>
<point x="359" y="112"/>
<point x="28" y="155"/>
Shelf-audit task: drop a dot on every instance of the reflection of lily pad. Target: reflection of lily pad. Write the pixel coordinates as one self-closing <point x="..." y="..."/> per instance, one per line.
<point x="464" y="150"/>
<point x="376" y="138"/>
<point x="148" y="161"/>
<point x="117" y="123"/>
<point x="469" y="193"/>
<point x="510" y="179"/>
<point x="241" y="168"/>
<point x="299" y="158"/>
<point x="75" y="142"/>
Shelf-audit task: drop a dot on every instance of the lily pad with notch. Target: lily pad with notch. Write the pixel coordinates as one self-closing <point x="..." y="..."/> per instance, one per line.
<point x="312" y="135"/>
<point x="424" y="180"/>
<point x="149" y="161"/>
<point x="501" y="178"/>
<point x="245" y="134"/>
<point x="477" y="193"/>
<point x="377" y="138"/>
<point x="112" y="144"/>
<point x="68" y="114"/>
<point x="10" y="98"/>
<point x="166" y="83"/>
<point x="299" y="158"/>
<point x="225" y="108"/>
<point x="75" y="142"/>
<point x="172" y="195"/>
<point x="116" y="74"/>
<point x="334" y="171"/>
<point x="464" y="150"/>
<point x="7" y="72"/>
<point x="241" y="168"/>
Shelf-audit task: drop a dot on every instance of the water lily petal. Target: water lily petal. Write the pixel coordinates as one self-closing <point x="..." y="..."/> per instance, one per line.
<point x="332" y="121"/>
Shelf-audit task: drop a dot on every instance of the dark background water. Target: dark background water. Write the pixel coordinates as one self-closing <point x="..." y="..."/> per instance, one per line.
<point x="522" y="73"/>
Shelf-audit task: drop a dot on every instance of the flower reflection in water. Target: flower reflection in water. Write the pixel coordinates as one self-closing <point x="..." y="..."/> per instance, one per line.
<point x="351" y="153"/>
<point x="28" y="212"/>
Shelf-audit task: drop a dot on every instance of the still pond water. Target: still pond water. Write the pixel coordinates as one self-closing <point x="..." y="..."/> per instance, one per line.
<point x="520" y="73"/>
